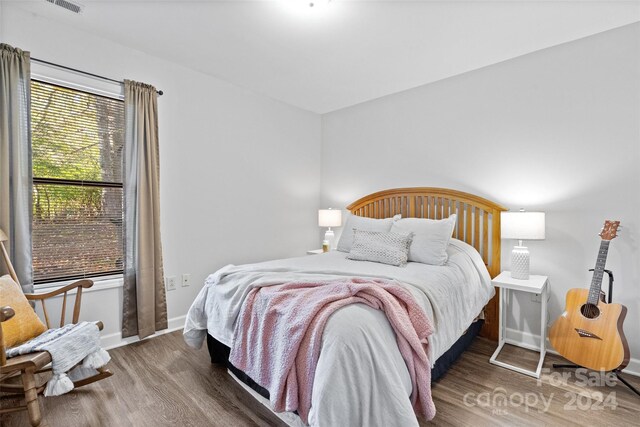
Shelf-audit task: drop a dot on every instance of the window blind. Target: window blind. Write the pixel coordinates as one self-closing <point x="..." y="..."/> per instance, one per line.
<point x="77" y="144"/>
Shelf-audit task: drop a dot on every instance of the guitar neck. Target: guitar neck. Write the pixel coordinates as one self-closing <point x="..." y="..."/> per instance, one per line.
<point x="598" y="273"/>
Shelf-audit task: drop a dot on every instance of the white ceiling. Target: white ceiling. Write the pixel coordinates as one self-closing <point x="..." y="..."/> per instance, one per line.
<point x="349" y="52"/>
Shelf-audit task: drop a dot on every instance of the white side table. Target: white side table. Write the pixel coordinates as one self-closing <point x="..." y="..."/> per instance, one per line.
<point x="535" y="285"/>
<point x="315" y="252"/>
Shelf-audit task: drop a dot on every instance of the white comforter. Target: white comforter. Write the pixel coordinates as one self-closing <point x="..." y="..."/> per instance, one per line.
<point x="361" y="378"/>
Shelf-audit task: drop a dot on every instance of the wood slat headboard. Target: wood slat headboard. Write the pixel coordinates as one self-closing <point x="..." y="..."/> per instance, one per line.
<point x="478" y="224"/>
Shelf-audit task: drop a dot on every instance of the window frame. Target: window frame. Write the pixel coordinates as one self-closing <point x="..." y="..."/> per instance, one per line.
<point x="75" y="81"/>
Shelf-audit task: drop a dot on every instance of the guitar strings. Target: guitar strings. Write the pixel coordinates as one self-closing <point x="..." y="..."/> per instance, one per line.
<point x="590" y="311"/>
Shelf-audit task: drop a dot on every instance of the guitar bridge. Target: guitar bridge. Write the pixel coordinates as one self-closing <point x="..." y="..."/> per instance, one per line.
<point x="587" y="334"/>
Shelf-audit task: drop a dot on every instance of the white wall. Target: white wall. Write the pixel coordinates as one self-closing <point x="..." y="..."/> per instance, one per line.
<point x="557" y="130"/>
<point x="240" y="173"/>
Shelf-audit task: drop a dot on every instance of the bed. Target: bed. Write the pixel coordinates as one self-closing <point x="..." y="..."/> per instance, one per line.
<point x="361" y="379"/>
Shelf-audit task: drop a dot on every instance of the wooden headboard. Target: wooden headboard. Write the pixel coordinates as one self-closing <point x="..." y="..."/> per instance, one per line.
<point x="478" y="224"/>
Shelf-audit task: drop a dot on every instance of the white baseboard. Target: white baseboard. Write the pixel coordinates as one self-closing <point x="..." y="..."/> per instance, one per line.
<point x="115" y="340"/>
<point x="529" y="340"/>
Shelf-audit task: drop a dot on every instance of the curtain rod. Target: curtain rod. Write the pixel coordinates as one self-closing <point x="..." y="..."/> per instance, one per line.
<point x="84" y="72"/>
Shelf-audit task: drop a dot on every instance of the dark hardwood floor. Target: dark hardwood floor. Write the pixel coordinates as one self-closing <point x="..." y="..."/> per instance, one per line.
<point x="162" y="382"/>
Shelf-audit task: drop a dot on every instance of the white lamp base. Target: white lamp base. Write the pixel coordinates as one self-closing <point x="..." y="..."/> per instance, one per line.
<point x="331" y="238"/>
<point x="520" y="263"/>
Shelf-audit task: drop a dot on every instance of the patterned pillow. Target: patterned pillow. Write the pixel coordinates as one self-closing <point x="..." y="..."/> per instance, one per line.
<point x="384" y="247"/>
<point x="362" y="223"/>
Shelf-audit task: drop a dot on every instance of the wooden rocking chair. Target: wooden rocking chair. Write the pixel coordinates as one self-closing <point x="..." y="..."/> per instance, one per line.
<point x="26" y="366"/>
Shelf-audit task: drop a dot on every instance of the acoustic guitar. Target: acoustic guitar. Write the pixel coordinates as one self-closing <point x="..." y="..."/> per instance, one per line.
<point x="589" y="332"/>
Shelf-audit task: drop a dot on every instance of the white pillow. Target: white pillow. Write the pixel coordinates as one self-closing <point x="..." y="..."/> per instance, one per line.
<point x="430" y="240"/>
<point x="384" y="247"/>
<point x="365" y="224"/>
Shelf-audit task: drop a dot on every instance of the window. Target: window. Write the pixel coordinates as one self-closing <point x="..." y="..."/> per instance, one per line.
<point x="77" y="144"/>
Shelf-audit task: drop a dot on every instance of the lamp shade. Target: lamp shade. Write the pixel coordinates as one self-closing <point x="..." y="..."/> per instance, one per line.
<point x="329" y="217"/>
<point x="3" y="237"/>
<point x="522" y="225"/>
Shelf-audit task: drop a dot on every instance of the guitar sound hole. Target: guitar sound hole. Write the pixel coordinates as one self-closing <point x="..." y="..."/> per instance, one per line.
<point x="590" y="311"/>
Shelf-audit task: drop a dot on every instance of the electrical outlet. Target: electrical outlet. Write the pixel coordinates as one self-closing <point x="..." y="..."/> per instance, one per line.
<point x="186" y="279"/>
<point x="170" y="283"/>
<point x="536" y="298"/>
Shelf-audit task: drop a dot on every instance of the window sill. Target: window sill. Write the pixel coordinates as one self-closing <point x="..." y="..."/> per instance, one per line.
<point x="99" y="284"/>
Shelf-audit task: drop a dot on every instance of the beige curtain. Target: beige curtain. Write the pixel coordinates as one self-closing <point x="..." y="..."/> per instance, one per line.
<point x="144" y="307"/>
<point x="15" y="160"/>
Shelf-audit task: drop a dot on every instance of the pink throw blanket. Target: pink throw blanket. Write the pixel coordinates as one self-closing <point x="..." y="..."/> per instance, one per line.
<point x="278" y="336"/>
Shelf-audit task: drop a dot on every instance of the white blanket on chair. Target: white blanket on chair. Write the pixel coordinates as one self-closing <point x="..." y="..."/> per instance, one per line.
<point x="68" y="346"/>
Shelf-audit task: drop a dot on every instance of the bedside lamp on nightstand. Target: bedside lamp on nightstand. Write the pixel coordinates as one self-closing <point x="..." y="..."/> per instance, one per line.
<point x="521" y="226"/>
<point x="330" y="218"/>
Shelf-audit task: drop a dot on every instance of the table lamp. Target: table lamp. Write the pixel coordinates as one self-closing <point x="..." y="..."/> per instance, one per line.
<point x="330" y="218"/>
<point x="521" y="226"/>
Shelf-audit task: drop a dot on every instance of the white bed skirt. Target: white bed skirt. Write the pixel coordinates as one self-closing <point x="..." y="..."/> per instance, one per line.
<point x="289" y="418"/>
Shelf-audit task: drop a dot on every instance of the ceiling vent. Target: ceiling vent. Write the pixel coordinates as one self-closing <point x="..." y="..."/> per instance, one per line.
<point x="73" y="6"/>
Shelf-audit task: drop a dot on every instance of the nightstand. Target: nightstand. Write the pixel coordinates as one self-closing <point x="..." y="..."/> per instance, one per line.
<point x="534" y="285"/>
<point x="314" y="252"/>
